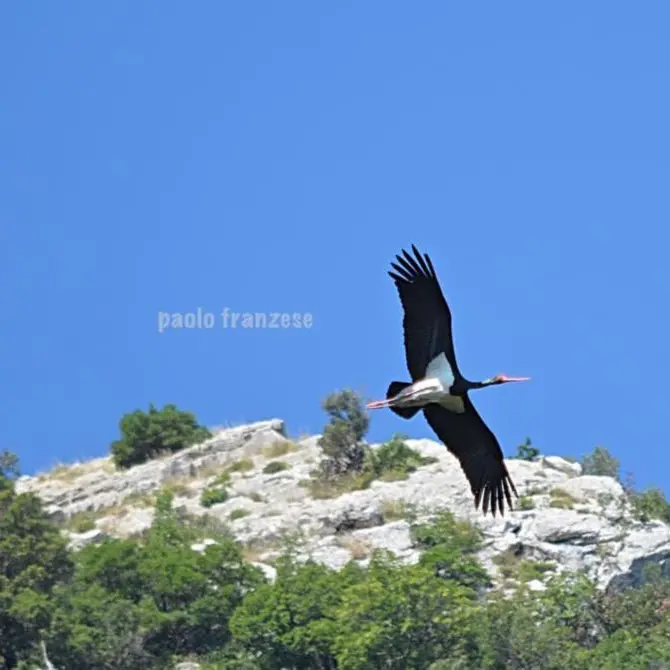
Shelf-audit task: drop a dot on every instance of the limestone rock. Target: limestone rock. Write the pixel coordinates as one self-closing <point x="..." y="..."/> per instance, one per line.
<point x="577" y="521"/>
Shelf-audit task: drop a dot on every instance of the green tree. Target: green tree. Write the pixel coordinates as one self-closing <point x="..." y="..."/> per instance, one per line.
<point x="138" y="603"/>
<point x="526" y="451"/>
<point x="144" y="435"/>
<point x="512" y="632"/>
<point x="290" y="622"/>
<point x="402" y="617"/>
<point x="449" y="549"/>
<point x="190" y="596"/>
<point x="636" y="626"/>
<point x="9" y="465"/>
<point x="95" y="628"/>
<point x="113" y="565"/>
<point x="341" y="439"/>
<point x="601" y="463"/>
<point x="33" y="559"/>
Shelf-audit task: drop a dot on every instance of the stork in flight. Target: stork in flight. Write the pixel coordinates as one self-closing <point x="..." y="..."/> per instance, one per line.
<point x="439" y="388"/>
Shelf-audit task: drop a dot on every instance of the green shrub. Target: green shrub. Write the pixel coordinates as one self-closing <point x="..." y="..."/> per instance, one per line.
<point x="395" y="460"/>
<point x="216" y="492"/>
<point x="213" y="496"/>
<point x="508" y="563"/>
<point x="392" y="461"/>
<point x="529" y="570"/>
<point x="81" y="522"/>
<point x="145" y="435"/>
<point x="449" y="549"/>
<point x="601" y="464"/>
<point x="275" y="466"/>
<point x="526" y="503"/>
<point x="222" y="479"/>
<point x="526" y="451"/>
<point x="651" y="504"/>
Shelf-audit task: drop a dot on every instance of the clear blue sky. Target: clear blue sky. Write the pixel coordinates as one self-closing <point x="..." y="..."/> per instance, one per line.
<point x="165" y="156"/>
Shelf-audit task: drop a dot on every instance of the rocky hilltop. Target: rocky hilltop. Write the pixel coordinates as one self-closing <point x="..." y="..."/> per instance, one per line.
<point x="564" y="520"/>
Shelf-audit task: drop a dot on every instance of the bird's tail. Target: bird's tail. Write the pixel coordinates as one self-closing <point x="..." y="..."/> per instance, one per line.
<point x="393" y="390"/>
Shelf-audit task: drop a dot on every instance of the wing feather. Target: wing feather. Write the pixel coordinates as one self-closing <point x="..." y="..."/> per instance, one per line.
<point x="478" y="451"/>
<point x="427" y="317"/>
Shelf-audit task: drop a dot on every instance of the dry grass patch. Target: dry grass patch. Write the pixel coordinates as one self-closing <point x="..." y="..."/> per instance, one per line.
<point x="255" y="551"/>
<point x="561" y="499"/>
<point x="209" y="471"/>
<point x="117" y="511"/>
<point x="63" y="472"/>
<point x="84" y="519"/>
<point x="243" y="465"/>
<point x="108" y="466"/>
<point x="393" y="476"/>
<point x="279" y="449"/>
<point x="512" y="566"/>
<point x="253" y="554"/>
<point x="238" y="513"/>
<point x="333" y="488"/>
<point x="394" y="510"/>
<point x="526" y="503"/>
<point x="81" y="522"/>
<point x="140" y="499"/>
<point x="357" y="547"/>
<point x="178" y="486"/>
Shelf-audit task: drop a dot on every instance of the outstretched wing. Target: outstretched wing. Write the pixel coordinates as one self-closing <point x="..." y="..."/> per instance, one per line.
<point x="477" y="448"/>
<point x="427" y="318"/>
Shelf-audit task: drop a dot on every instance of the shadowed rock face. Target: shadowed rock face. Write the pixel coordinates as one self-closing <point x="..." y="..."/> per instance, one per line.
<point x="579" y="522"/>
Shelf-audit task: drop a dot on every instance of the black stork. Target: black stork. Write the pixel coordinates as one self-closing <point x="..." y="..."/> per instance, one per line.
<point x="439" y="388"/>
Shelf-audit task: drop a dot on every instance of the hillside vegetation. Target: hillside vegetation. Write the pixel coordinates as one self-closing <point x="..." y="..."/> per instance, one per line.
<point x="186" y="590"/>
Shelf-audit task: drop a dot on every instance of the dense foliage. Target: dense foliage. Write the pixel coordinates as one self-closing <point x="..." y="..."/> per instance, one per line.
<point x="648" y="504"/>
<point x="33" y="559"/>
<point x="349" y="463"/>
<point x="148" y="602"/>
<point x="158" y="599"/>
<point x="145" y="435"/>
<point x="600" y="463"/>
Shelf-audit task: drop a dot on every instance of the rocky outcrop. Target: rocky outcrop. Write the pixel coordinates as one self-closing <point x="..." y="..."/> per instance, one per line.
<point x="565" y="519"/>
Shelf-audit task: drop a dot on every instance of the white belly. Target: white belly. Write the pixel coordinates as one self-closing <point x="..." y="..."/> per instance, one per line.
<point x="440" y="370"/>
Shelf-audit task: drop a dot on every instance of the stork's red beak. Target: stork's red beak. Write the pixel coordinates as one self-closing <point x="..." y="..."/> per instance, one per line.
<point x="505" y="378"/>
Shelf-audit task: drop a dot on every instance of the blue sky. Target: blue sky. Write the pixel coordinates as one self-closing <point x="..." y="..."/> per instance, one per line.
<point x="273" y="157"/>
